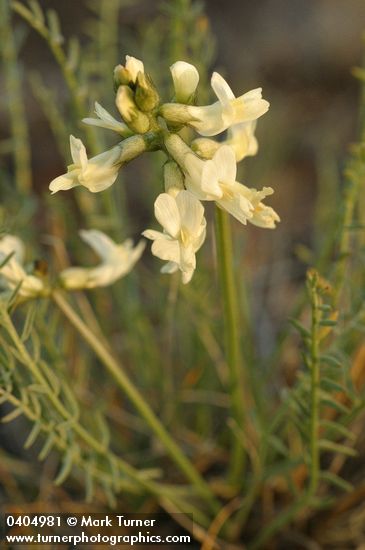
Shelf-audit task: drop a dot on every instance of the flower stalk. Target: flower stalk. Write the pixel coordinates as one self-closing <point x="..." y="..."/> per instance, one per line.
<point x="231" y="325"/>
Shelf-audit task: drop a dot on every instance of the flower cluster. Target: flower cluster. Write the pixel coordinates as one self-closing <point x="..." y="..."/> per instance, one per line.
<point x="201" y="169"/>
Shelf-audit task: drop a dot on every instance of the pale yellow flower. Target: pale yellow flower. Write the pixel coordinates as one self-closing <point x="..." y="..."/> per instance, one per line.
<point x="116" y="261"/>
<point x="96" y="174"/>
<point x="184" y="230"/>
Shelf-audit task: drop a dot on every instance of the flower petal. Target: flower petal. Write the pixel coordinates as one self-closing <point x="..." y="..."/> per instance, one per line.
<point x="66" y="181"/>
<point x="106" y="120"/>
<point x="225" y="161"/>
<point x="264" y="216"/>
<point x="221" y="88"/>
<point x="187" y="276"/>
<point x="242" y="139"/>
<point x="237" y="203"/>
<point x="170" y="267"/>
<point x="167" y="214"/>
<point x="249" y="106"/>
<point x="152" y="234"/>
<point x="103" y="245"/>
<point x="78" y="152"/>
<point x="210" y="182"/>
<point x="208" y="119"/>
<point x="166" y="249"/>
<point x="134" y="66"/>
<point x="191" y="212"/>
<point x="186" y="78"/>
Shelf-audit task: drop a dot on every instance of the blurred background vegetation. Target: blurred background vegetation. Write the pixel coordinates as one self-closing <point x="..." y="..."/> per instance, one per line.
<point x="169" y="338"/>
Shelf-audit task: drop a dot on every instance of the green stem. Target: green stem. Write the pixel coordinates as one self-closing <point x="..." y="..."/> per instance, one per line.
<point x="138" y="401"/>
<point x="315" y="380"/>
<point x="231" y="322"/>
<point x="13" y="84"/>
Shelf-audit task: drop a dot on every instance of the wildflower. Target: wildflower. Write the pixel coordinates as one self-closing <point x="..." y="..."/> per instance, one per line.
<point x="186" y="78"/>
<point x="184" y="229"/>
<point x="116" y="261"/>
<point x="106" y="120"/>
<point x="96" y="174"/>
<point x="215" y="179"/>
<point x="211" y="120"/>
<point x="12" y="272"/>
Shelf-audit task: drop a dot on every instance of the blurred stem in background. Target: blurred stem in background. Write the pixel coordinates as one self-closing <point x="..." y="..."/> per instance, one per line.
<point x="14" y="86"/>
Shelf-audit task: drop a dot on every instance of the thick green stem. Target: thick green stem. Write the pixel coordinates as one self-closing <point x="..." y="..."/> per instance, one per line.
<point x="138" y="401"/>
<point x="231" y="323"/>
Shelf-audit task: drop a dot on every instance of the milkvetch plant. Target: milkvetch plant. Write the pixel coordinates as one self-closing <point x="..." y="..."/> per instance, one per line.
<point x="140" y="390"/>
<point x="190" y="179"/>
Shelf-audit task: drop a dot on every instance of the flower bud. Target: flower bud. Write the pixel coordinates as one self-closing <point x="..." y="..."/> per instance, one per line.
<point x="133" y="66"/>
<point x="205" y="147"/>
<point x="186" y="78"/>
<point x="132" y="116"/>
<point x="126" y="75"/>
<point x="122" y="77"/>
<point x="173" y="178"/>
<point x="176" y="113"/>
<point x="146" y="95"/>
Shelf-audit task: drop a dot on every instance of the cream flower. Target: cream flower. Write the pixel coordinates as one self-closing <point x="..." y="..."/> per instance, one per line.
<point x="116" y="261"/>
<point x="211" y="120"/>
<point x="241" y="137"/>
<point x="228" y="110"/>
<point x="96" y="174"/>
<point x="212" y="180"/>
<point x="215" y="179"/>
<point x="184" y="229"/>
<point x="218" y="180"/>
<point x="106" y="120"/>
<point x="12" y="272"/>
<point x="186" y="78"/>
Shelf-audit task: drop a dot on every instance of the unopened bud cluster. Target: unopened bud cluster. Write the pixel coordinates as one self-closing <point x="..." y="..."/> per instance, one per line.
<point x="201" y="169"/>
